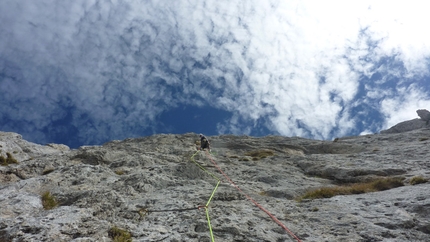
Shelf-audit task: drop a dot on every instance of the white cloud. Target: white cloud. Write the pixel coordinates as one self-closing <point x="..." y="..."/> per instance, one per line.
<point x="299" y="66"/>
<point x="402" y="107"/>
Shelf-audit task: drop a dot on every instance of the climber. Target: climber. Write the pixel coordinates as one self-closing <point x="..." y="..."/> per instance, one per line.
<point x="204" y="143"/>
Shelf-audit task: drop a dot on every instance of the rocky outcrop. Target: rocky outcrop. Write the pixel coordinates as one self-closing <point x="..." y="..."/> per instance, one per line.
<point x="422" y="122"/>
<point x="150" y="187"/>
<point x="406" y="126"/>
<point x="424" y="114"/>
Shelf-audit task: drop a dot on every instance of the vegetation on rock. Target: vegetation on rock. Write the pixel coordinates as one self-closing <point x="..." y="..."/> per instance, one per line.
<point x="417" y="180"/>
<point x="357" y="188"/>
<point x="48" y="201"/>
<point x="8" y="160"/>
<point x="119" y="235"/>
<point x="48" y="170"/>
<point x="259" y="154"/>
<point x="120" y="172"/>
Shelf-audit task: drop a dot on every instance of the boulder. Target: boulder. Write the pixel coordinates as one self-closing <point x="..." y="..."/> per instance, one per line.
<point x="424" y="114"/>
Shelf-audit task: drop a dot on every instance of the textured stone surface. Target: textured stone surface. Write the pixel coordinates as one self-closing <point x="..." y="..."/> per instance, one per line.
<point x="406" y="126"/>
<point x="424" y="114"/>
<point x="150" y="187"/>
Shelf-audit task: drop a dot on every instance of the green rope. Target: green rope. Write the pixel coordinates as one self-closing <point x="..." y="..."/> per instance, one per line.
<point x="201" y="167"/>
<point x="210" y="198"/>
<point x="209" y="224"/>
<point x="213" y="192"/>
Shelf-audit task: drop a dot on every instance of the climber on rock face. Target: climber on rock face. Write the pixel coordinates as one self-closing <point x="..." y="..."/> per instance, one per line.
<point x="204" y="143"/>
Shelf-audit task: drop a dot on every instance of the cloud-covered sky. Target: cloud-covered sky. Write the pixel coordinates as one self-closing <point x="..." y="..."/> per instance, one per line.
<point x="88" y="71"/>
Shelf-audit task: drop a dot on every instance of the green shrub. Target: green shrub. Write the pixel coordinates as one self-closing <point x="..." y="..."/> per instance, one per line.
<point x="357" y="188"/>
<point x="119" y="235"/>
<point x="417" y="180"/>
<point x="48" y="201"/>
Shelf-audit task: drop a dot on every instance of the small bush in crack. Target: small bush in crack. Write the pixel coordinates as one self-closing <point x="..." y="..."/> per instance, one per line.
<point x="417" y="180"/>
<point x="119" y="235"/>
<point x="357" y="188"/>
<point x="48" y="201"/>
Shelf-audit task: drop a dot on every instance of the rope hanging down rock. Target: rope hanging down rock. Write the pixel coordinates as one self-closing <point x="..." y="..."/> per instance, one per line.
<point x="252" y="200"/>
<point x="210" y="198"/>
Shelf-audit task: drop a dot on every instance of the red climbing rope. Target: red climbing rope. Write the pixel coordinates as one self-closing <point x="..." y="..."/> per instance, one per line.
<point x="252" y="200"/>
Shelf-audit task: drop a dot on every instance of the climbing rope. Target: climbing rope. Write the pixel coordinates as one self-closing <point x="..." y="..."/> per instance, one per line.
<point x="144" y="211"/>
<point x="206" y="207"/>
<point x="252" y="200"/>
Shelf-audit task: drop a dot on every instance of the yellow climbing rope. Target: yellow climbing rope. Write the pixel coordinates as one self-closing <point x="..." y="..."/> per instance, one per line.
<point x="210" y="198"/>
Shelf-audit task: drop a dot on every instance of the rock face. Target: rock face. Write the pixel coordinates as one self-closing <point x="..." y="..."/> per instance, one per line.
<point x="150" y="187"/>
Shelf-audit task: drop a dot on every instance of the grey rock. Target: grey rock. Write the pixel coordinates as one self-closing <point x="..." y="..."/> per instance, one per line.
<point x="150" y="187"/>
<point x="424" y="114"/>
<point x="422" y="122"/>
<point x="406" y="126"/>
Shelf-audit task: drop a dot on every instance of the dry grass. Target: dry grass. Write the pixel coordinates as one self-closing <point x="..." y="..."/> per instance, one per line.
<point x="48" y="170"/>
<point x="8" y="160"/>
<point x="262" y="193"/>
<point x="259" y="154"/>
<point x="120" y="172"/>
<point x="119" y="235"/>
<point x="357" y="188"/>
<point x="417" y="180"/>
<point x="48" y="201"/>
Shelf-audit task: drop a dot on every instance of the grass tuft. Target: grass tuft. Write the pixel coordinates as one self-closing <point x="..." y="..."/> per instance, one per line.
<point x="120" y="172"/>
<point x="48" y="201"/>
<point x="357" y="188"/>
<point x="47" y="171"/>
<point x="8" y="160"/>
<point x="259" y="154"/>
<point x="119" y="235"/>
<point x="417" y="180"/>
<point x="263" y="193"/>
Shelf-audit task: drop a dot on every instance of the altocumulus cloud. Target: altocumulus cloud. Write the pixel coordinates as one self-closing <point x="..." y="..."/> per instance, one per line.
<point x="87" y="71"/>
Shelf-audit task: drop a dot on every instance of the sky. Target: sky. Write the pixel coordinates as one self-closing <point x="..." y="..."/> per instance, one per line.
<point x="85" y="72"/>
